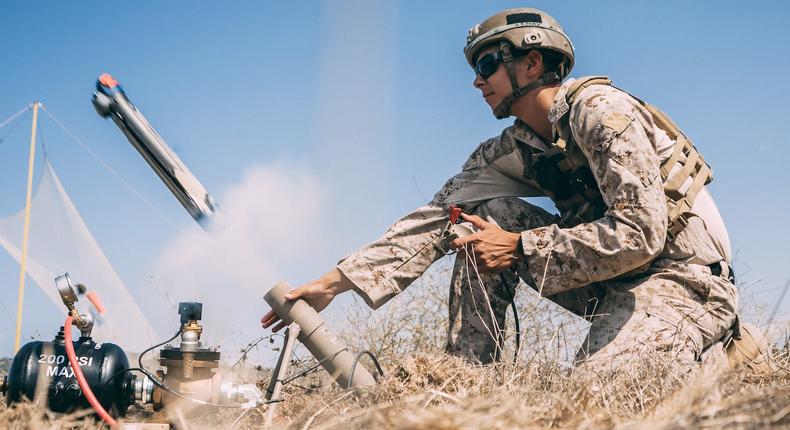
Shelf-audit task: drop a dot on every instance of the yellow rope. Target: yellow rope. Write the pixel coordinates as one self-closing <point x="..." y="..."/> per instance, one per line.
<point x="26" y="231"/>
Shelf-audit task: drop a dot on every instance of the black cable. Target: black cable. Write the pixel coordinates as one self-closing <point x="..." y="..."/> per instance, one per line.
<point x="517" y="327"/>
<point x="140" y="357"/>
<point x="356" y="361"/>
<point x="198" y="401"/>
<point x="317" y="365"/>
<point x="162" y="385"/>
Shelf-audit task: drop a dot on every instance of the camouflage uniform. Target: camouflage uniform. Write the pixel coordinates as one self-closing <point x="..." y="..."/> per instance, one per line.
<point x="642" y="290"/>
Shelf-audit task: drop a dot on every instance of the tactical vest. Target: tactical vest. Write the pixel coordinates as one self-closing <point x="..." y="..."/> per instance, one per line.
<point x="564" y="171"/>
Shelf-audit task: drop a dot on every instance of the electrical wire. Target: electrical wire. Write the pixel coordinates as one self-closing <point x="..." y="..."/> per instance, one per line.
<point x="516" y="321"/>
<point x="164" y="386"/>
<point x="161" y="385"/>
<point x="356" y="361"/>
<point x="517" y="325"/>
<point x="470" y="259"/>
<point x="307" y="372"/>
<point x="140" y="357"/>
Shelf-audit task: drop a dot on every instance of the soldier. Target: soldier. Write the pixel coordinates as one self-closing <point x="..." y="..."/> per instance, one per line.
<point x="639" y="247"/>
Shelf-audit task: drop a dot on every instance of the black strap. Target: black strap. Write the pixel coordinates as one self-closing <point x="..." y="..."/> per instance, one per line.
<point x="716" y="270"/>
<point x="502" y="110"/>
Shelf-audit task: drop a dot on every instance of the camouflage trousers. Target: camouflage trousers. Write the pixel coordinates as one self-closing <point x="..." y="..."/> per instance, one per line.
<point x="668" y="308"/>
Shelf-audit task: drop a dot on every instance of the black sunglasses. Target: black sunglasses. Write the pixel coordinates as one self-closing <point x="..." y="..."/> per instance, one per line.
<point x="488" y="64"/>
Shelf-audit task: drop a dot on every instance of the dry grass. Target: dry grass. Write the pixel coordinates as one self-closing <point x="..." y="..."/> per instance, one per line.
<point x="28" y="416"/>
<point x="442" y="392"/>
<point x="426" y="389"/>
<point x="435" y="391"/>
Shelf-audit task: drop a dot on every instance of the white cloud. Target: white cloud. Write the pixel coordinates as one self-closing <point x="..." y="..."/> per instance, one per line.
<point x="270" y="216"/>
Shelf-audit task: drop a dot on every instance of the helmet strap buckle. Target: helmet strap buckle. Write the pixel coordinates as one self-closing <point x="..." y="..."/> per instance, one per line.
<point x="507" y="55"/>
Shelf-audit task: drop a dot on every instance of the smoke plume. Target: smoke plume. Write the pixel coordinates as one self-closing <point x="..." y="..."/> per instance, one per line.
<point x="268" y="218"/>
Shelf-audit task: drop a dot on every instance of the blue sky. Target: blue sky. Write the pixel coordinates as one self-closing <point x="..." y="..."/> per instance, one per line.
<point x="374" y="102"/>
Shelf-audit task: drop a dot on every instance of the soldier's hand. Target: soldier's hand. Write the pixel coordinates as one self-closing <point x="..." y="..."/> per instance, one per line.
<point x="494" y="249"/>
<point x="318" y="294"/>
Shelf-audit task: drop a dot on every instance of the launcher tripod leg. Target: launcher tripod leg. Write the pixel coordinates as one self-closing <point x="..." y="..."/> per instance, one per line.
<point x="280" y="370"/>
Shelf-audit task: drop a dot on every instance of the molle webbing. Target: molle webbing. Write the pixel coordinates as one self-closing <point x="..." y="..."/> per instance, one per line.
<point x="685" y="162"/>
<point x="571" y="184"/>
<point x="580" y="84"/>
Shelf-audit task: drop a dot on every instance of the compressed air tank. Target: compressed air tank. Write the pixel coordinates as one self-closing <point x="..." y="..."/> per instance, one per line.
<point x="45" y="365"/>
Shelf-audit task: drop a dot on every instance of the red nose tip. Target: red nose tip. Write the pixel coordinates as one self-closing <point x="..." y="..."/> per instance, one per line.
<point x="107" y="80"/>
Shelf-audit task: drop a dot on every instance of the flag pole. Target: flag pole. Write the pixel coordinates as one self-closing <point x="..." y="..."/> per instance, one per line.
<point x="26" y="230"/>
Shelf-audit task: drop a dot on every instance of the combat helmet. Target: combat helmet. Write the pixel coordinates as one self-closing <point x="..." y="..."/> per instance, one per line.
<point x="521" y="29"/>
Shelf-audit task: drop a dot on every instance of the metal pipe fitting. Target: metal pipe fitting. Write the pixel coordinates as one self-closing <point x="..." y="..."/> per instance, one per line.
<point x="143" y="389"/>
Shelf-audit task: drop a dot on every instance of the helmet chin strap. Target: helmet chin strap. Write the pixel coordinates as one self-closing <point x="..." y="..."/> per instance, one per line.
<point x="502" y="110"/>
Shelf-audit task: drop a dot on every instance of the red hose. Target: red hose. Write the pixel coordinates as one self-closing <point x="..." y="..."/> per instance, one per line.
<point x="86" y="389"/>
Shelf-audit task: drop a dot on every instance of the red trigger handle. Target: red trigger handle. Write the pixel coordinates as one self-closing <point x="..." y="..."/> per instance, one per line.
<point x="455" y="214"/>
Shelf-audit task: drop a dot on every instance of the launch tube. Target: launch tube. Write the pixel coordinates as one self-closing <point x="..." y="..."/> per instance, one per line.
<point x="332" y="354"/>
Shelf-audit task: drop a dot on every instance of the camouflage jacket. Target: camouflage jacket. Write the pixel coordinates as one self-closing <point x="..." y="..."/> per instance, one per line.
<point x="623" y="148"/>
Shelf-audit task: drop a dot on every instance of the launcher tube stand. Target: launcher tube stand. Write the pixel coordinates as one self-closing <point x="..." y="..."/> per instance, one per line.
<point x="316" y="337"/>
<point x="280" y="371"/>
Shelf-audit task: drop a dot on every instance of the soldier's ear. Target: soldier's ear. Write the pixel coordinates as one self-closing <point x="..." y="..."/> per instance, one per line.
<point x="534" y="60"/>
